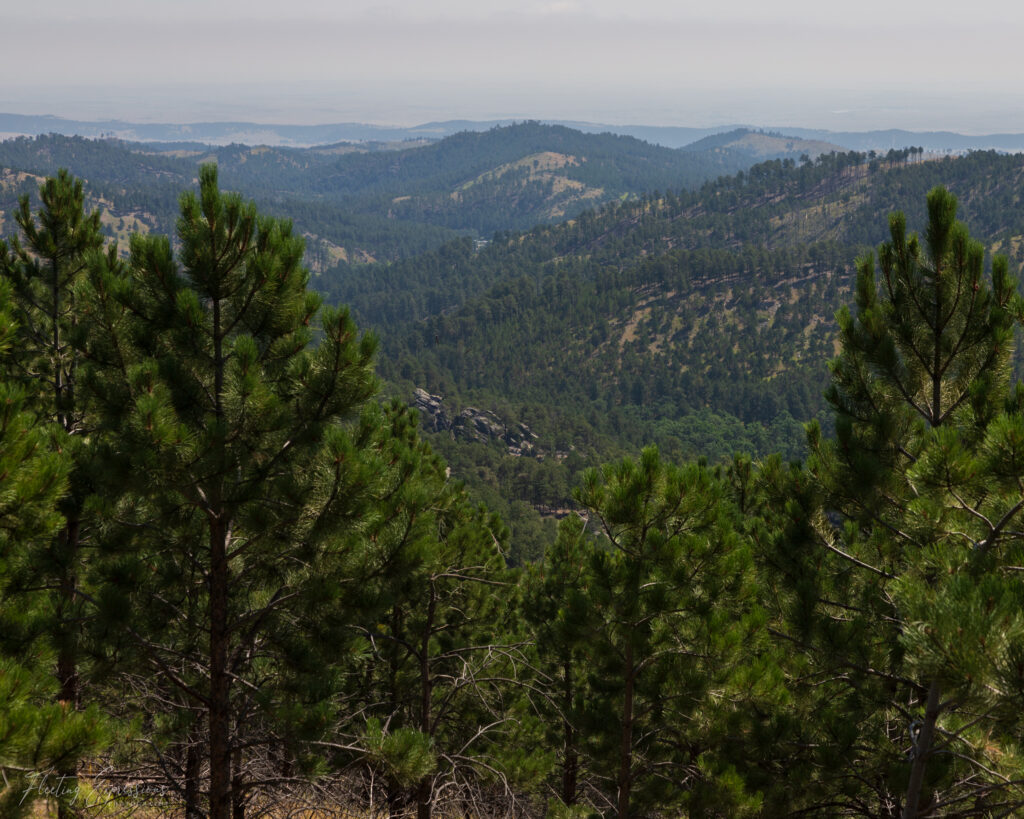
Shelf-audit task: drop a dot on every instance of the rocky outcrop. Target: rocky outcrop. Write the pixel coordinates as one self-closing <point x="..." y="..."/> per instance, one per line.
<point x="433" y="417"/>
<point x="473" y="424"/>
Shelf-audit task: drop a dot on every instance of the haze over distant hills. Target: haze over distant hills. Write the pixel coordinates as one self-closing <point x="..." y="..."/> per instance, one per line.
<point x="385" y="200"/>
<point x="256" y="133"/>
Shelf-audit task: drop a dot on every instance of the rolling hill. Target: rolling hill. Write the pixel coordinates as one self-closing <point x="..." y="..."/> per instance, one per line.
<point x="374" y="201"/>
<point x="361" y="202"/>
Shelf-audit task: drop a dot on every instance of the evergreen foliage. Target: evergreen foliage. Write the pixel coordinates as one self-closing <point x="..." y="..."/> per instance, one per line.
<point x="46" y="273"/>
<point x="439" y="657"/>
<point x="292" y="605"/>
<point x="249" y="476"/>
<point x="40" y="736"/>
<point x="900" y="549"/>
<point x="641" y="624"/>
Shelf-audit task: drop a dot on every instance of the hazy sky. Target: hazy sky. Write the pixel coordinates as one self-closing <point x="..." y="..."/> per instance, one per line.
<point x="867" y="64"/>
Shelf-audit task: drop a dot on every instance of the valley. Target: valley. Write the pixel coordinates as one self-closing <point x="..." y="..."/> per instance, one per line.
<point x="523" y="472"/>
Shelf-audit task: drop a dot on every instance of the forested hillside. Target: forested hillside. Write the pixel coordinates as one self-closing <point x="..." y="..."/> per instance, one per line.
<point x="700" y="321"/>
<point x="140" y="184"/>
<point x="360" y="202"/>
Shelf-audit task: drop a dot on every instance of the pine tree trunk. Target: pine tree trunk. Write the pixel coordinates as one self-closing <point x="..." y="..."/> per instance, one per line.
<point x="220" y="691"/>
<point x="423" y="791"/>
<point x="922" y="750"/>
<point x="923" y="745"/>
<point x="67" y="665"/>
<point x="237" y="791"/>
<point x="193" y="771"/>
<point x="67" y="656"/>
<point x="397" y="793"/>
<point x="625" y="778"/>
<point x="423" y="806"/>
<point x="570" y="765"/>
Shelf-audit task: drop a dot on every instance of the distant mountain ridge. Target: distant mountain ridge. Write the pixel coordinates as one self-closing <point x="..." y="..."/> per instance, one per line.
<point x="762" y="145"/>
<point x="251" y="133"/>
<point x="303" y="136"/>
<point x="931" y="141"/>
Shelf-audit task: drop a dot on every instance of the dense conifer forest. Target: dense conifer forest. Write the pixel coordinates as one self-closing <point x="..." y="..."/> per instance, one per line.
<point x="636" y="548"/>
<point x="698" y="321"/>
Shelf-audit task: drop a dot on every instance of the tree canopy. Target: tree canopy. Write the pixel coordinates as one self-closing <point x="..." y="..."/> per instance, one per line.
<point x="235" y="580"/>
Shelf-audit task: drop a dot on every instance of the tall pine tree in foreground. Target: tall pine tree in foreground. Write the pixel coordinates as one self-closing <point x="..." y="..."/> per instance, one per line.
<point x="902" y="550"/>
<point x="47" y="272"/>
<point x="39" y="737"/>
<point x="241" y="482"/>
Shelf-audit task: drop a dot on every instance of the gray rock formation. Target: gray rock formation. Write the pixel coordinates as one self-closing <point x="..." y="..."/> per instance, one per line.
<point x="473" y="424"/>
<point x="433" y="418"/>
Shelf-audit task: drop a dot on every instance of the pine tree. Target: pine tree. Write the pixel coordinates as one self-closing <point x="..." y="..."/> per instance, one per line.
<point x="671" y="599"/>
<point x="441" y="661"/>
<point x="40" y="738"/>
<point x="900" y="549"/>
<point x="560" y="620"/>
<point x="46" y="272"/>
<point x="248" y="480"/>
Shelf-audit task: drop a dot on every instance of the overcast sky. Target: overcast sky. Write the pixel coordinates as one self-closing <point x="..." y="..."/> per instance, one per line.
<point x="867" y="64"/>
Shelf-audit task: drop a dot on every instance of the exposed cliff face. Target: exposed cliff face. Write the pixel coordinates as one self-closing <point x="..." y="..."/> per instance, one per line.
<point x="474" y="424"/>
<point x="433" y="417"/>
